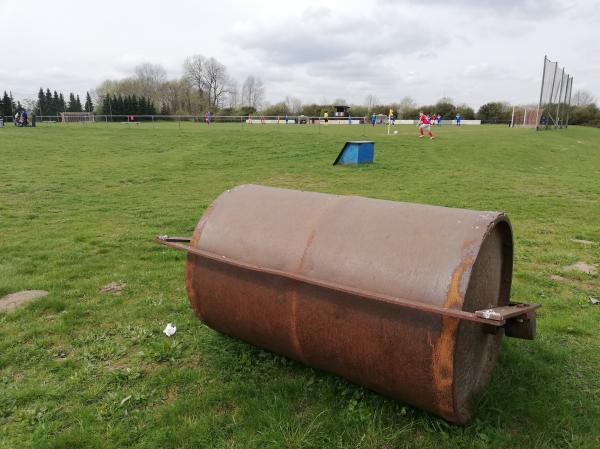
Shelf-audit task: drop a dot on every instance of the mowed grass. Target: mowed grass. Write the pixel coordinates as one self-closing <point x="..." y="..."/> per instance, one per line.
<point x="80" y="205"/>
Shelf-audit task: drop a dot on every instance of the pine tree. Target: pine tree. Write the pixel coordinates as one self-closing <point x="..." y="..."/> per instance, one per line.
<point x="134" y="105"/>
<point x="8" y="106"/>
<point x="127" y="105"/>
<point x="56" y="103"/>
<point x="48" y="110"/>
<point x="78" y="104"/>
<point x="106" y="106"/>
<point x="41" y="102"/>
<point x="62" y="105"/>
<point x="89" y="106"/>
<point x="151" y="107"/>
<point x="114" y="107"/>
<point x="72" y="106"/>
<point x="117" y="105"/>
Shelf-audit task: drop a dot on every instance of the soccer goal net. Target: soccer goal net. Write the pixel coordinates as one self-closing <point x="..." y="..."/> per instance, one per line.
<point x="68" y="117"/>
<point x="525" y="117"/>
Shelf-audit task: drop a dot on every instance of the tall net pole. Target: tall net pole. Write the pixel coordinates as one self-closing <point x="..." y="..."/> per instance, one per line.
<point x="570" y="89"/>
<point x="552" y="92"/>
<point x="559" y="91"/>
<point x="537" y="117"/>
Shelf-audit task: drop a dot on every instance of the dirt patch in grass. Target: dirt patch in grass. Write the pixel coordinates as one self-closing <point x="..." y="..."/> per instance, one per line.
<point x="582" y="267"/>
<point x="113" y="287"/>
<point x="13" y="301"/>
<point x="557" y="278"/>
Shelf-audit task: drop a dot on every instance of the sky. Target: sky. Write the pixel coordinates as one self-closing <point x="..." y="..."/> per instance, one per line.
<point x="471" y="51"/>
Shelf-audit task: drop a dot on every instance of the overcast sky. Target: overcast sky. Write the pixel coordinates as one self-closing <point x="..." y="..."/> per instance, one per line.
<point x="471" y="51"/>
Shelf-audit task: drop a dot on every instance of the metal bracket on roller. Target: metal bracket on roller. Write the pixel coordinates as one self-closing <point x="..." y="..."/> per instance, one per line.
<point x="517" y="319"/>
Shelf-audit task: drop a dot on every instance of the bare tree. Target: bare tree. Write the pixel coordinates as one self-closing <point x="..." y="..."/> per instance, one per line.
<point x="209" y="77"/>
<point x="180" y="97"/>
<point x="371" y="101"/>
<point x="215" y="82"/>
<point x="582" y="98"/>
<point x="293" y="104"/>
<point x="29" y="104"/>
<point x="253" y="92"/>
<point x="193" y="69"/>
<point x="107" y="87"/>
<point x="407" y="103"/>
<point x="233" y="95"/>
<point x="150" y="78"/>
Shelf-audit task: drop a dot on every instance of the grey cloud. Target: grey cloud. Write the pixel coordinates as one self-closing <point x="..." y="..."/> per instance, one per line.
<point x="527" y="10"/>
<point x="323" y="38"/>
<point x="480" y="71"/>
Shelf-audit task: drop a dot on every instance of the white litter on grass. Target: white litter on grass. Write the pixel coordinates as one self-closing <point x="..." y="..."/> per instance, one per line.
<point x="583" y="242"/>
<point x="170" y="330"/>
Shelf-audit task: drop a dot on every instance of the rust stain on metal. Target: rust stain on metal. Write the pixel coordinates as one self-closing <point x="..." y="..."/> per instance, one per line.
<point x="455" y="297"/>
<point x="293" y="298"/>
<point x="443" y="352"/>
<point x="309" y="242"/>
<point x="293" y="325"/>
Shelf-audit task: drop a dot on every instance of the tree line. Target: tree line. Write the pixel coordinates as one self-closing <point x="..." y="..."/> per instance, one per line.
<point x="127" y="105"/>
<point x="206" y="85"/>
<point x="53" y="103"/>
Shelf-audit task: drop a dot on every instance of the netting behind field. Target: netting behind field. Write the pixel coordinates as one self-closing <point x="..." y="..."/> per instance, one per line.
<point x="555" y="96"/>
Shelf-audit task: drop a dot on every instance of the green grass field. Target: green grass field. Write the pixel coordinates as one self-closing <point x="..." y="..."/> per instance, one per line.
<point x="80" y="205"/>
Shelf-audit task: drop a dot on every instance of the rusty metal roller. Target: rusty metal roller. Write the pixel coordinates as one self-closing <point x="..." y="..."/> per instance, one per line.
<point x="406" y="299"/>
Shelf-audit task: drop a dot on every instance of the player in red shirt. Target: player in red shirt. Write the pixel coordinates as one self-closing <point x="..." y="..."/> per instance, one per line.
<point x="424" y="123"/>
